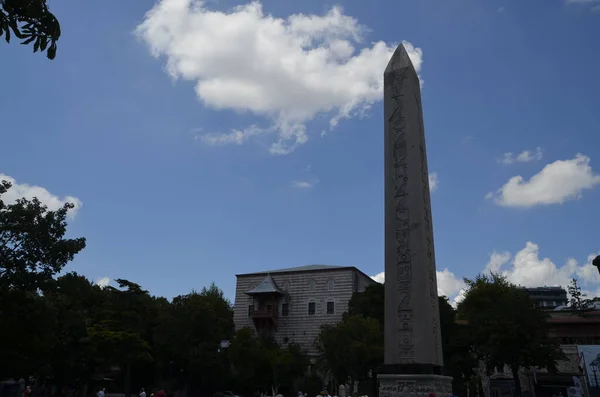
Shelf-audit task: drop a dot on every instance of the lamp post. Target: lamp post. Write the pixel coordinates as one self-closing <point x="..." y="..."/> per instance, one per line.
<point x="594" y="368"/>
<point x="596" y="263"/>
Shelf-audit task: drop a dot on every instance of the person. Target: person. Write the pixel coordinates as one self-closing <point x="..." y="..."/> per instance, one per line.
<point x="27" y="391"/>
<point x="101" y="392"/>
<point x="161" y="393"/>
<point x="142" y="393"/>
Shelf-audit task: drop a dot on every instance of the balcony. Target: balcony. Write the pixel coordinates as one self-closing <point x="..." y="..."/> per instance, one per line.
<point x="265" y="317"/>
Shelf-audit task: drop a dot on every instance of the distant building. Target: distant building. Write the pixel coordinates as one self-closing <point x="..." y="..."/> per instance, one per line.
<point x="548" y="297"/>
<point x="292" y="304"/>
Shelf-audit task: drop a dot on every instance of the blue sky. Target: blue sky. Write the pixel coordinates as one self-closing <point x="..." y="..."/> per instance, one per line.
<point x="201" y="142"/>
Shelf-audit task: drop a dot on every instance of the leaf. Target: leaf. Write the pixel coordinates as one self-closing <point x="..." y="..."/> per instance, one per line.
<point x="51" y="51"/>
<point x="36" y="45"/>
<point x="29" y="40"/>
<point x="15" y="28"/>
<point x="44" y="43"/>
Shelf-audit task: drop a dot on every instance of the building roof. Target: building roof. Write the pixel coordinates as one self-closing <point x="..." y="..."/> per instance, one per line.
<point x="307" y="268"/>
<point x="267" y="286"/>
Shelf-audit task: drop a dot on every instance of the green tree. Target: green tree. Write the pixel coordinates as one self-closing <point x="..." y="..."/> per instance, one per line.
<point x="32" y="22"/>
<point x="32" y="251"/>
<point x="507" y="327"/>
<point x="286" y="365"/>
<point x="27" y="334"/>
<point x="460" y="360"/>
<point x="188" y="337"/>
<point x="369" y="303"/>
<point x="351" y="348"/>
<point x="249" y="360"/>
<point x="121" y="334"/>
<point x="32" y="244"/>
<point x="259" y="362"/>
<point x="76" y="302"/>
<point x="579" y="303"/>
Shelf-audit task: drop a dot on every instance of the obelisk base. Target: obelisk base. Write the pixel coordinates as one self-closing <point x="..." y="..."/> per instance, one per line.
<point x="418" y="385"/>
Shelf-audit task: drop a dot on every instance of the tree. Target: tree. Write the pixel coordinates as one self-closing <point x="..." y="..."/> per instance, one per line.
<point x="578" y="302"/>
<point x="32" y="251"/>
<point x="32" y="244"/>
<point x="249" y="360"/>
<point x="261" y="363"/>
<point x="286" y="365"/>
<point x="76" y="302"/>
<point x="189" y="335"/>
<point x="460" y="360"/>
<point x="351" y="348"/>
<point x="32" y="22"/>
<point x="121" y="334"/>
<point x="369" y="303"/>
<point x="27" y="334"/>
<point x="507" y="327"/>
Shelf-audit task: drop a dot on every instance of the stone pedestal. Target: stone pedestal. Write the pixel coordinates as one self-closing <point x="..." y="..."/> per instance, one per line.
<point x="420" y="385"/>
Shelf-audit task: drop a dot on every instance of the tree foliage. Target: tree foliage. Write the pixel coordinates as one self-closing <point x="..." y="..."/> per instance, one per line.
<point x="68" y="331"/>
<point x="579" y="303"/>
<point x="351" y="348"/>
<point x="261" y="363"/>
<point x="507" y="327"/>
<point x="32" y="22"/>
<point x="32" y="244"/>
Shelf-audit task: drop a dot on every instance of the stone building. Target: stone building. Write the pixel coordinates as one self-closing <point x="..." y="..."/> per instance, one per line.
<point x="292" y="304"/>
<point x="548" y="298"/>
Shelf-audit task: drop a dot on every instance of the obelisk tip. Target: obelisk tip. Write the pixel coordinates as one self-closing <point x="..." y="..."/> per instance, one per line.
<point x="399" y="60"/>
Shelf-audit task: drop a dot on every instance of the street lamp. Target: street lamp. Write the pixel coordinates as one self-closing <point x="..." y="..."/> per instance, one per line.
<point x="594" y="368"/>
<point x="596" y="262"/>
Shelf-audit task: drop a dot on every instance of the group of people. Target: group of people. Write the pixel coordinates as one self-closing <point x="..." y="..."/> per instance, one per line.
<point x="160" y="393"/>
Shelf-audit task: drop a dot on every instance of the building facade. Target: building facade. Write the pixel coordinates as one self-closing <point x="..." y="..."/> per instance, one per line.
<point x="292" y="304"/>
<point x="548" y="297"/>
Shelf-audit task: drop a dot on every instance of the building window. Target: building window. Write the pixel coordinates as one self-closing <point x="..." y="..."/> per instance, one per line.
<point x="269" y="309"/>
<point x="250" y="310"/>
<point x="286" y="286"/>
<point x="330" y="285"/>
<point x="312" y="308"/>
<point x="330" y="308"/>
<point x="312" y="286"/>
<point x="285" y="309"/>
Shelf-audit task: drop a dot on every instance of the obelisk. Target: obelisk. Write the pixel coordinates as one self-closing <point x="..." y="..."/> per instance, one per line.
<point x="413" y="349"/>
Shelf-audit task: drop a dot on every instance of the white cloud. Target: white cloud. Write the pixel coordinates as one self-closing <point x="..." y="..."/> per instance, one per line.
<point x="52" y="201"/>
<point x="434" y="181"/>
<point x="305" y="184"/>
<point x="594" y="4"/>
<point x="497" y="259"/>
<point x="556" y="183"/>
<point x="103" y="282"/>
<point x="525" y="156"/>
<point x="526" y="269"/>
<point x="286" y="70"/>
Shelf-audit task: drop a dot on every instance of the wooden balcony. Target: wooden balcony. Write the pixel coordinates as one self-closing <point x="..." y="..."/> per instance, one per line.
<point x="265" y="317"/>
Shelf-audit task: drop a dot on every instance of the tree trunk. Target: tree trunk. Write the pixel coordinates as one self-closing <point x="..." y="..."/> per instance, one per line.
<point x="515" y="374"/>
<point x="127" y="379"/>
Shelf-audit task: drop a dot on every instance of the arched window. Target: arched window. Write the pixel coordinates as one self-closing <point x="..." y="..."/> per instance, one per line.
<point x="312" y="286"/>
<point x="286" y="286"/>
<point x="330" y="285"/>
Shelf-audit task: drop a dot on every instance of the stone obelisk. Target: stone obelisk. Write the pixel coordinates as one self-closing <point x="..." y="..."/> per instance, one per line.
<point x="413" y="348"/>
